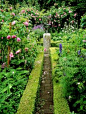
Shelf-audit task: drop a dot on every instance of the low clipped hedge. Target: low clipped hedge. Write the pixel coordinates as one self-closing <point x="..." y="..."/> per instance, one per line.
<point x="27" y="102"/>
<point x="53" y="44"/>
<point x="60" y="103"/>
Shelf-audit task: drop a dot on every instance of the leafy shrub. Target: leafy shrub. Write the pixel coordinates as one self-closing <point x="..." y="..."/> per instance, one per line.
<point x="57" y="17"/>
<point x="19" y="51"/>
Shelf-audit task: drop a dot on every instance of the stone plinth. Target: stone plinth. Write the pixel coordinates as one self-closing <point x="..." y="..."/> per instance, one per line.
<point x="46" y="42"/>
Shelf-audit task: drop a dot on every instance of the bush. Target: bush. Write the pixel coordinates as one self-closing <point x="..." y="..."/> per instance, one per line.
<point x="58" y="17"/>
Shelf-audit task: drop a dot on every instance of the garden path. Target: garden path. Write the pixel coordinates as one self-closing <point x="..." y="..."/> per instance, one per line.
<point x="45" y="100"/>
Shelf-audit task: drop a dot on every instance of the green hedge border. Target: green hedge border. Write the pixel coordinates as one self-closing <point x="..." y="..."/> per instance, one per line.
<point x="27" y="102"/>
<point x="60" y="103"/>
<point x="53" y="44"/>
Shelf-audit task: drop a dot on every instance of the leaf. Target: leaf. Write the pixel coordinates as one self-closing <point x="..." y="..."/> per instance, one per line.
<point x="19" y="68"/>
<point x="84" y="102"/>
<point x="5" y="89"/>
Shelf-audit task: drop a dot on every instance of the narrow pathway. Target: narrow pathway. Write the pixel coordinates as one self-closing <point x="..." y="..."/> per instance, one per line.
<point x="45" y="100"/>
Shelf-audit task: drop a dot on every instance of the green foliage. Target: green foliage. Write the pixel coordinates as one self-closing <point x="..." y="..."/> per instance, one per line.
<point x="12" y="84"/>
<point x="74" y="83"/>
<point x="14" y="78"/>
<point x="71" y="70"/>
<point x="58" y="17"/>
<point x="83" y="21"/>
<point x="37" y="34"/>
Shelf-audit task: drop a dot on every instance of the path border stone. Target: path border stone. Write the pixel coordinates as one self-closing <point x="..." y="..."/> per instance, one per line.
<point x="27" y="102"/>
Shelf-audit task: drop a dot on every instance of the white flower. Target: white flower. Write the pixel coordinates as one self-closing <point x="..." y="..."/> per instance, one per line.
<point x="69" y="97"/>
<point x="78" y="83"/>
<point x="13" y="72"/>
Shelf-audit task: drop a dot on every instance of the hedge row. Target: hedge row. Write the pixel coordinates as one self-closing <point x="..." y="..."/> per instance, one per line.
<point x="60" y="103"/>
<point x="27" y="102"/>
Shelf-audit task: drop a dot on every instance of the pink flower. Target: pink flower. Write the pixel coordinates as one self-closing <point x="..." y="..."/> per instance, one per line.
<point x="23" y="11"/>
<point x="31" y="14"/>
<point x="28" y="10"/>
<point x="18" y="39"/>
<point x="55" y="26"/>
<point x="11" y="55"/>
<point x="1" y="10"/>
<point x="10" y="8"/>
<point x="49" y="22"/>
<point x="59" y="25"/>
<point x="26" y="49"/>
<point x="75" y="14"/>
<point x="64" y="13"/>
<point x="13" y="36"/>
<point x="18" y="51"/>
<point x="56" y="14"/>
<point x="61" y="15"/>
<point x="13" y="14"/>
<point x="45" y="49"/>
<point x="26" y="23"/>
<point x="13" y="23"/>
<point x="1" y="37"/>
<point x="70" y="11"/>
<point x="8" y="37"/>
<point x="84" y="41"/>
<point x="72" y="21"/>
<point x="3" y="65"/>
<point x="39" y="19"/>
<point x="2" y="20"/>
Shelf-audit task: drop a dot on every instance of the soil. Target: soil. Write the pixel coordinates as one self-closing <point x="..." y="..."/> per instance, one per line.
<point x="45" y="100"/>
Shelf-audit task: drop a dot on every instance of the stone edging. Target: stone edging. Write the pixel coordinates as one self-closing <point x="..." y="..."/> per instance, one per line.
<point x="27" y="102"/>
<point x="60" y="103"/>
